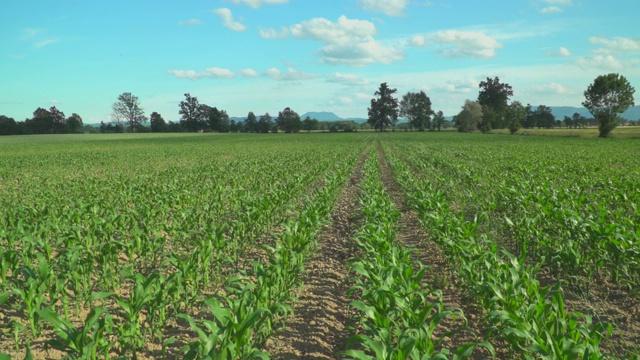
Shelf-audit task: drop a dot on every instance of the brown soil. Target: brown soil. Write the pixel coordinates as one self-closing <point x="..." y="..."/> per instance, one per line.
<point x="318" y="328"/>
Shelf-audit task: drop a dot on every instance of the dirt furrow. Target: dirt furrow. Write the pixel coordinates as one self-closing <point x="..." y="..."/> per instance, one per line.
<point x="318" y="328"/>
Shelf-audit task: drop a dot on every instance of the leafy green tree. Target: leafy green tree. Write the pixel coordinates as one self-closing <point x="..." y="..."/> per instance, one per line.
<point x="568" y="122"/>
<point x="192" y="114"/>
<point x="224" y="124"/>
<point x="488" y="118"/>
<point x="543" y="117"/>
<point x="383" y="111"/>
<point x="438" y="120"/>
<point x="265" y="123"/>
<point x="217" y="120"/>
<point x="608" y="96"/>
<point x="579" y="121"/>
<point x="251" y="123"/>
<point x="468" y="118"/>
<point x="493" y="97"/>
<point x="416" y="106"/>
<point x="58" y="120"/>
<point x="289" y="121"/>
<point x="74" y="123"/>
<point x="40" y="123"/>
<point x="8" y="126"/>
<point x="128" y="109"/>
<point x="309" y="124"/>
<point x="514" y="116"/>
<point x="157" y="122"/>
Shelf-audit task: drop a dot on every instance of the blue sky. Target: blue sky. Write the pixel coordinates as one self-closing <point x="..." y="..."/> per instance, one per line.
<point x="310" y="55"/>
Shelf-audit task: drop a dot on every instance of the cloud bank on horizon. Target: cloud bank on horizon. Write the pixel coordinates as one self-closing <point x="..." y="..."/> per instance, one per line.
<point x="265" y="55"/>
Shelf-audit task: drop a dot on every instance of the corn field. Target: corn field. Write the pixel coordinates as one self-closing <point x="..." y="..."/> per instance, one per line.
<point x="196" y="247"/>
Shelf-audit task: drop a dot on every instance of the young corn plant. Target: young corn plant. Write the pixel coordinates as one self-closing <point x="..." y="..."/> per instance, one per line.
<point x="88" y="341"/>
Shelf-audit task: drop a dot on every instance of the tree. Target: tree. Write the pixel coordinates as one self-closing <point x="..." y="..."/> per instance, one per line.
<point x="309" y="124"/>
<point x="74" y="123"/>
<point x="494" y="96"/>
<point x="514" y="116"/>
<point x="128" y="108"/>
<point x="438" y="120"/>
<point x="579" y="121"/>
<point x="608" y="96"/>
<point x="289" y="121"/>
<point x="543" y="117"/>
<point x="217" y="120"/>
<point x="58" y="120"/>
<point x="192" y="114"/>
<point x="157" y="122"/>
<point x="40" y="123"/>
<point x="467" y="119"/>
<point x="487" y="120"/>
<point x="251" y="123"/>
<point x="416" y="106"/>
<point x="265" y="123"/>
<point x="383" y="111"/>
<point x="8" y="126"/>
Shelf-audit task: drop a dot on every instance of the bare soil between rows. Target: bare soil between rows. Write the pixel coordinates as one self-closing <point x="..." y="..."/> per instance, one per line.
<point x="318" y="329"/>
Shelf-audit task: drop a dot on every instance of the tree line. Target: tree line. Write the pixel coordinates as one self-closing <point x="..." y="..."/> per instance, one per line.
<point x="606" y="98"/>
<point x="128" y="116"/>
<point x="44" y="121"/>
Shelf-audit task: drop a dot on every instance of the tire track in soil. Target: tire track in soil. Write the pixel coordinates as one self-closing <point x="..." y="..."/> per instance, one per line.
<point x="317" y="330"/>
<point x="439" y="274"/>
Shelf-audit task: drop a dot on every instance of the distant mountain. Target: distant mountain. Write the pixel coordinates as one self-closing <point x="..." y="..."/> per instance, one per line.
<point x="559" y="112"/>
<point x="321" y="116"/>
<point x="358" y="120"/>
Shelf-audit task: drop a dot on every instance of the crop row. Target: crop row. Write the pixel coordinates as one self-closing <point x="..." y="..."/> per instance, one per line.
<point x="576" y="211"/>
<point x="115" y="257"/>
<point x="399" y="315"/>
<point x="530" y="318"/>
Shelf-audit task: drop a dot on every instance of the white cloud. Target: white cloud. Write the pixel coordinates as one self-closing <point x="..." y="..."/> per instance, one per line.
<point x="219" y="73"/>
<point x="227" y="19"/>
<point x="559" y="52"/>
<point x="190" y="22"/>
<point x="559" y="2"/>
<point x="290" y="75"/>
<point x="30" y="33"/>
<point x="472" y="44"/>
<point x="550" y="88"/>
<point x="417" y="41"/>
<point x="347" y="41"/>
<point x="464" y="86"/>
<point x="616" y="43"/>
<point x="554" y="6"/>
<point x="45" y="42"/>
<point x="274" y="34"/>
<point x="214" y="72"/>
<point x="54" y="102"/>
<point x="563" y="51"/>
<point x="550" y="9"/>
<point x="344" y="31"/>
<point x="388" y="7"/>
<point x="360" y="54"/>
<point x="345" y="100"/>
<point x="257" y="3"/>
<point x="248" y="73"/>
<point x="348" y="79"/>
<point x="599" y="62"/>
